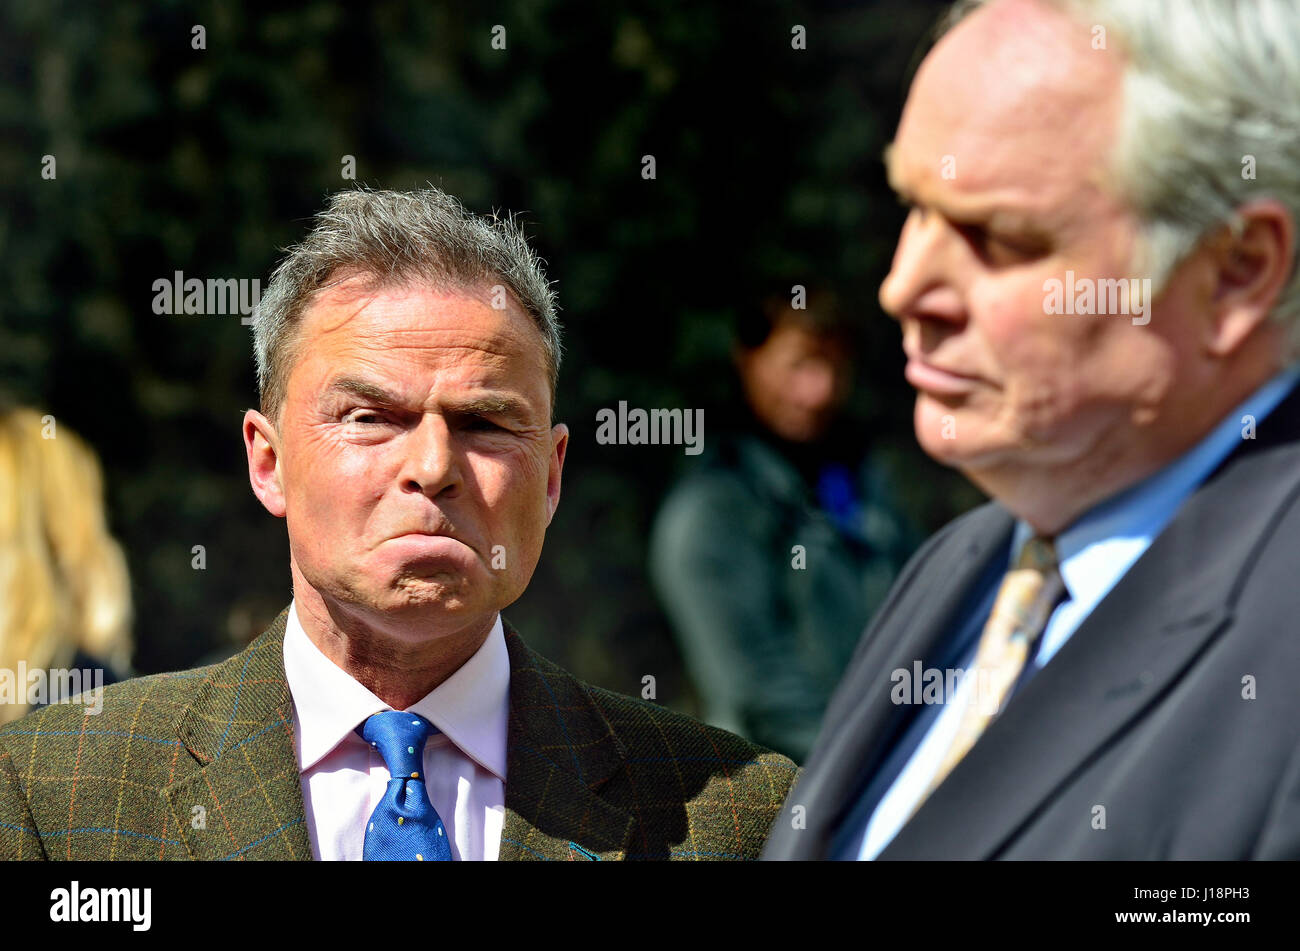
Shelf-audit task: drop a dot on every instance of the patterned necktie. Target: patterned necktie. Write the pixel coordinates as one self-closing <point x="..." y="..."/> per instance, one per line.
<point x="1029" y="594"/>
<point x="404" y="826"/>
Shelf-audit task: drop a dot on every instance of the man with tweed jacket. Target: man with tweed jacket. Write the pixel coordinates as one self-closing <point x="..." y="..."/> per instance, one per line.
<point x="407" y="357"/>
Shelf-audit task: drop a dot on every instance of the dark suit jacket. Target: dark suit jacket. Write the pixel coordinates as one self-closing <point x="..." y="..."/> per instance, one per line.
<point x="201" y="765"/>
<point x="1143" y="712"/>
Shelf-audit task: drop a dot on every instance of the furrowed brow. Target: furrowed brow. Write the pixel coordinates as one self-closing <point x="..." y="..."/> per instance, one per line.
<point x="494" y="404"/>
<point x="489" y="404"/>
<point x="365" y="391"/>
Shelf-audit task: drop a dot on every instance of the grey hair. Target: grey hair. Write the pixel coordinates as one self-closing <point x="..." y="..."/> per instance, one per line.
<point x="1209" y="86"/>
<point x="397" y="238"/>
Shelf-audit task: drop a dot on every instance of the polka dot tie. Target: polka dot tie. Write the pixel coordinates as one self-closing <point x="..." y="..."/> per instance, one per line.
<point x="404" y="826"/>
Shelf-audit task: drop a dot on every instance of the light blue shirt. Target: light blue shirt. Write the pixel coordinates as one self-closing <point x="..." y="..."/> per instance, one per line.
<point x="1094" y="554"/>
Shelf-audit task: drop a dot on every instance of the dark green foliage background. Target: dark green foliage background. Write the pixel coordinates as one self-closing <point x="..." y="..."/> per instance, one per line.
<point x="211" y="161"/>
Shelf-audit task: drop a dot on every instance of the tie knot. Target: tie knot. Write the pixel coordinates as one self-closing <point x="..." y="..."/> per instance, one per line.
<point x="400" y="739"/>
<point x="1039" y="554"/>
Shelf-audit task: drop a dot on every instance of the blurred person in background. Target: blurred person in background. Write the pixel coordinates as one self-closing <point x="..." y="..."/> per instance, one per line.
<point x="65" y="598"/>
<point x="772" y="554"/>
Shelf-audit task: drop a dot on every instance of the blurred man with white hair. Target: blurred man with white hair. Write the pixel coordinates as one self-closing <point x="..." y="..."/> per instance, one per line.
<point x="1097" y="289"/>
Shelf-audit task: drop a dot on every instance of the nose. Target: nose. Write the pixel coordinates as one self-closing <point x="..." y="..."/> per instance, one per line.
<point x="920" y="282"/>
<point x="431" y="462"/>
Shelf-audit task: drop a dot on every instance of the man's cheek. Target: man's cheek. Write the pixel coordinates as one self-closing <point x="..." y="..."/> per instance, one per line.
<point x="347" y="463"/>
<point x="519" y="460"/>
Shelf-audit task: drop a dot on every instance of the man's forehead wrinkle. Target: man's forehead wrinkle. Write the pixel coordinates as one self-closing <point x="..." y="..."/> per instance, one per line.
<point x="456" y="355"/>
<point x="363" y="289"/>
<point x="486" y="398"/>
<point x="337" y="306"/>
<point x="389" y="332"/>
<point x="397" y="327"/>
<point x="405" y="339"/>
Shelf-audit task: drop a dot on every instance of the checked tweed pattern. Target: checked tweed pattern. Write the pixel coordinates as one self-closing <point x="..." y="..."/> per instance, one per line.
<point x="200" y="764"/>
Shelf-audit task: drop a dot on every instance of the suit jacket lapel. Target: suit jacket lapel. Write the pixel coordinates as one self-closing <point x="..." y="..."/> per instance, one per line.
<point x="1162" y="615"/>
<point x="865" y="717"/>
<point x="560" y="750"/>
<point x="248" y="791"/>
<point x="246" y="800"/>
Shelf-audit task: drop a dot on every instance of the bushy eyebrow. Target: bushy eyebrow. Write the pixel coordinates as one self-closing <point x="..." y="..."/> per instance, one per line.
<point x="364" y="390"/>
<point x="494" y="404"/>
<point x="490" y="404"/>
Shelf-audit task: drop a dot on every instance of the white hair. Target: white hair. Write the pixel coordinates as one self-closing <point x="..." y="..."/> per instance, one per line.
<point x="1211" y="94"/>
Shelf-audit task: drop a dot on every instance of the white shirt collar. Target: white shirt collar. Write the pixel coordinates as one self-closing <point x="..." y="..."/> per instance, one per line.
<point x="471" y="707"/>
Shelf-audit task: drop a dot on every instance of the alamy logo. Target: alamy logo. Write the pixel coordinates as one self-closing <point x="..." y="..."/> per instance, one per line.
<point x="179" y="295"/>
<point x="38" y="686"/>
<point x="986" y="690"/>
<point x="656" y="427"/>
<point x="103" y="904"/>
<point x="1107" y="297"/>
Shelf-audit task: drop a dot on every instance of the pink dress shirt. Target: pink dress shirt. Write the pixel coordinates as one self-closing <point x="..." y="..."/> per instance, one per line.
<point x="343" y="778"/>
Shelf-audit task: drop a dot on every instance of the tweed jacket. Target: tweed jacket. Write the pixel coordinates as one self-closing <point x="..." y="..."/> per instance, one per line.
<point x="200" y="765"/>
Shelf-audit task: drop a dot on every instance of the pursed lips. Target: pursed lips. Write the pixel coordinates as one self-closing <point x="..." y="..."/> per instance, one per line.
<point x="931" y="377"/>
<point x="430" y="534"/>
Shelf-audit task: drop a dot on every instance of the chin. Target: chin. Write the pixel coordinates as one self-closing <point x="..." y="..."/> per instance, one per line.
<point x="938" y="430"/>
<point x="971" y="444"/>
<point x="433" y="596"/>
<point x="946" y="452"/>
<point x="406" y="596"/>
<point x="420" y="618"/>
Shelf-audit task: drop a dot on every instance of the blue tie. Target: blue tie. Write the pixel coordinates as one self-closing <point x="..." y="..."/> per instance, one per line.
<point x="404" y="826"/>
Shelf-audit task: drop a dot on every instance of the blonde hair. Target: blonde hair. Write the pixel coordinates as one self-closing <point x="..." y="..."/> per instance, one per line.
<point x="63" y="578"/>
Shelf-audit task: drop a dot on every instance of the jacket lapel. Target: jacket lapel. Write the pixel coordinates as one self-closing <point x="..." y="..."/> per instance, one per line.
<point x="1161" y="616"/>
<point x="560" y="750"/>
<point x="248" y="793"/>
<point x="246" y="799"/>
<point x="866" y="720"/>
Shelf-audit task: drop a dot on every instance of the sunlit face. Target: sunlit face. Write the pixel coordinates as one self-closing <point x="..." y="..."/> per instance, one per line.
<point x="418" y="463"/>
<point x="794" y="381"/>
<point x="1000" y="154"/>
